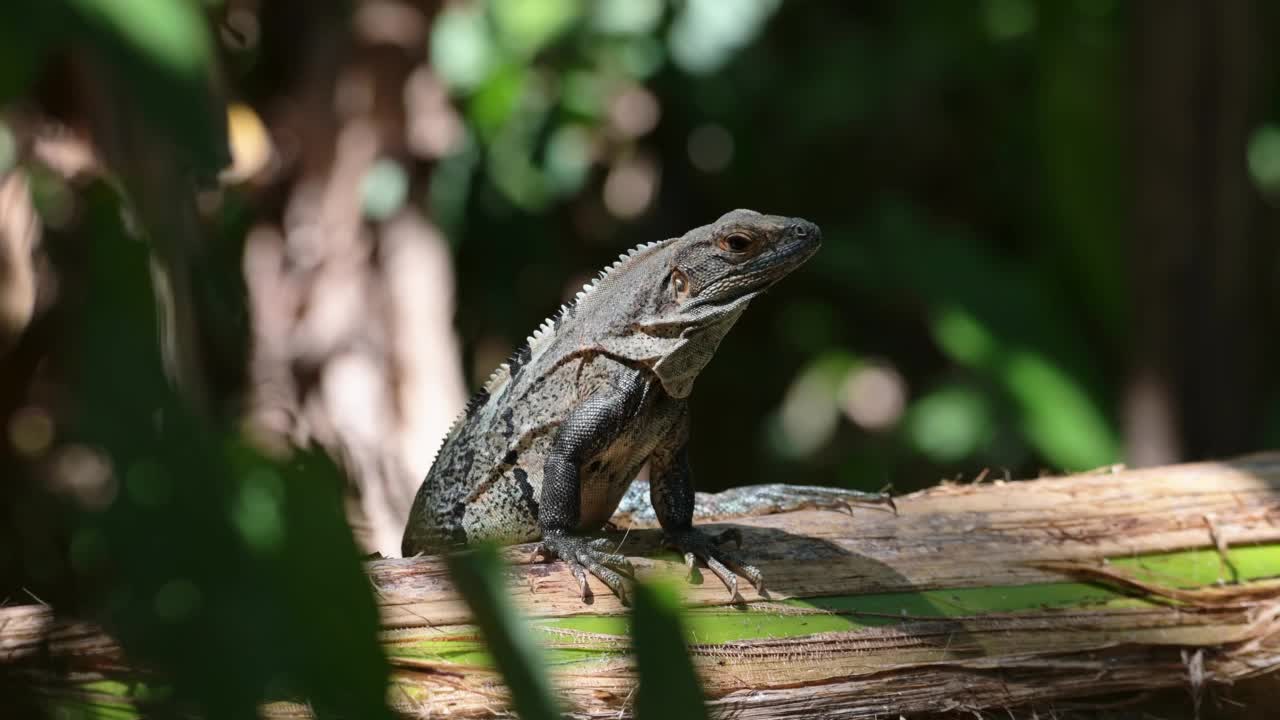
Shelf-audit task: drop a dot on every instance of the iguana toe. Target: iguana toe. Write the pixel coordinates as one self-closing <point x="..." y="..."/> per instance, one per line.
<point x="697" y="545"/>
<point x="585" y="556"/>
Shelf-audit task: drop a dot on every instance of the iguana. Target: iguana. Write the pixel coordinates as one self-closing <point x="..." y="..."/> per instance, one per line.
<point x="551" y="444"/>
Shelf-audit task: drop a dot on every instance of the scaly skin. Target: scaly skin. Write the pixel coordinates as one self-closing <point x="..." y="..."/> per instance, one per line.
<point x="552" y="443"/>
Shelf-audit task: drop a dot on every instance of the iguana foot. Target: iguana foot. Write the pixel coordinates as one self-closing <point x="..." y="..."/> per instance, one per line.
<point x="697" y="545"/>
<point x="585" y="556"/>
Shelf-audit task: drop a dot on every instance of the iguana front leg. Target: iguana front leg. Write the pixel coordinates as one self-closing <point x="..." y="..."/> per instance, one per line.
<point x="588" y="430"/>
<point x="671" y="492"/>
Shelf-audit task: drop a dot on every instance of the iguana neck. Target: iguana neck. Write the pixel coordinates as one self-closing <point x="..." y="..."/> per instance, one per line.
<point x="689" y="352"/>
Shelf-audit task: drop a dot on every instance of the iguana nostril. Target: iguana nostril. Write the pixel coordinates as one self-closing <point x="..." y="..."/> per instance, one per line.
<point x="804" y="229"/>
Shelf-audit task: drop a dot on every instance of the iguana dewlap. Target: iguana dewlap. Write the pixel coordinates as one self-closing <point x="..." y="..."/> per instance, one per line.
<point x="551" y="444"/>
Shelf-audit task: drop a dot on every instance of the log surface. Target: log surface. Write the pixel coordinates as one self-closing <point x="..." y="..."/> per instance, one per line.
<point x="974" y="596"/>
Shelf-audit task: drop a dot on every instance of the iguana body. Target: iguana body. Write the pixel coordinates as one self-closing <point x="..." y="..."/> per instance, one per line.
<point x="552" y="443"/>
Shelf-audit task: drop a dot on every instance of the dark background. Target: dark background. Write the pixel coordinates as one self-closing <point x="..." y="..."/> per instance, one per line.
<point x="1048" y="221"/>
<point x="1049" y="246"/>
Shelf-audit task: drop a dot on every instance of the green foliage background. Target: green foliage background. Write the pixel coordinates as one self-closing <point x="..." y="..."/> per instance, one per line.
<point x="960" y="157"/>
<point x="969" y="162"/>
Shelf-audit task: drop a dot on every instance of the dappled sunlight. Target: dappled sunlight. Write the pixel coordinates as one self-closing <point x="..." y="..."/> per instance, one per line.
<point x="255" y="257"/>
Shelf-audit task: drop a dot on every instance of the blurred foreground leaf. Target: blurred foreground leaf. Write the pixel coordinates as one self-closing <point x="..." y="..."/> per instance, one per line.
<point x="231" y="575"/>
<point x="669" y="688"/>
<point x="161" y="51"/>
<point x="478" y="575"/>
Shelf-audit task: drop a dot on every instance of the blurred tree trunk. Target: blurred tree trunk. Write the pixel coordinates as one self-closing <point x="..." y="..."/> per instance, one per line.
<point x="352" y="308"/>
<point x="1200" y="248"/>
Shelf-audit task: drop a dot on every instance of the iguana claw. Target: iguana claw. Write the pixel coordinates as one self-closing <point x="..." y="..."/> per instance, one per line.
<point x="585" y="556"/>
<point x="697" y="545"/>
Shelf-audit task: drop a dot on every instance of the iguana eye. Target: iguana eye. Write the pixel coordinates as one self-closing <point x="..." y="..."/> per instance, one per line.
<point x="735" y="242"/>
<point x="679" y="283"/>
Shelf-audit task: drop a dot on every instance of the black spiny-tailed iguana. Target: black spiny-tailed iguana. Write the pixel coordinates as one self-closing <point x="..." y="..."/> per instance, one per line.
<point x="550" y="446"/>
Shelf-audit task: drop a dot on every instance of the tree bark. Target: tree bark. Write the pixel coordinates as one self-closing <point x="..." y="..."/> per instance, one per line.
<point x="986" y="595"/>
<point x="1202" y="242"/>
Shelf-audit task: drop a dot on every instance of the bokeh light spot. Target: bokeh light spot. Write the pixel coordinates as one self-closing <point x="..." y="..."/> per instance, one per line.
<point x="461" y="49"/>
<point x="568" y="157"/>
<point x="627" y="17"/>
<point x="1264" y="159"/>
<point x="630" y="187"/>
<point x="8" y="148"/>
<point x="949" y="424"/>
<point x="251" y="148"/>
<point x="1008" y="19"/>
<point x="384" y="188"/>
<point x="809" y="415"/>
<point x="85" y="475"/>
<point x="873" y="396"/>
<point x="634" y="112"/>
<point x="706" y="33"/>
<point x="258" y="513"/>
<point x="31" y="431"/>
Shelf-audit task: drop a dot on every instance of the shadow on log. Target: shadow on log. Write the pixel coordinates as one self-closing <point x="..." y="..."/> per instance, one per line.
<point x="975" y="596"/>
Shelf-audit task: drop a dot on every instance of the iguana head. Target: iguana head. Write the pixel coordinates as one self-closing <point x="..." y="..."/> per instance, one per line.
<point x="731" y="260"/>
<point x="670" y="304"/>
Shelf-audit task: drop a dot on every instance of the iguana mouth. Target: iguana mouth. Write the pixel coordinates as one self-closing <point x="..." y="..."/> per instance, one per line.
<point x="804" y="240"/>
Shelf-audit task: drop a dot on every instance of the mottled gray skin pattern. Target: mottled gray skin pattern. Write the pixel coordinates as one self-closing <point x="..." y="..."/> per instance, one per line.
<point x="550" y="446"/>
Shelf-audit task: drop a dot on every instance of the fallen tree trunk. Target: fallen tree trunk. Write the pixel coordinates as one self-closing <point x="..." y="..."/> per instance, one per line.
<point x="974" y="596"/>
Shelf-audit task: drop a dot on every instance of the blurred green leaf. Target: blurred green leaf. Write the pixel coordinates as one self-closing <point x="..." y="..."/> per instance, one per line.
<point x="962" y="336"/>
<point x="641" y="56"/>
<point x="479" y="576"/>
<point x="1082" y="65"/>
<point x="161" y="51"/>
<point x="584" y="93"/>
<point x="1060" y="419"/>
<point x="527" y="27"/>
<point x="669" y="687"/>
<point x="168" y="33"/>
<point x="451" y="185"/>
<point x="999" y="317"/>
<point x="497" y="101"/>
<point x="949" y="424"/>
